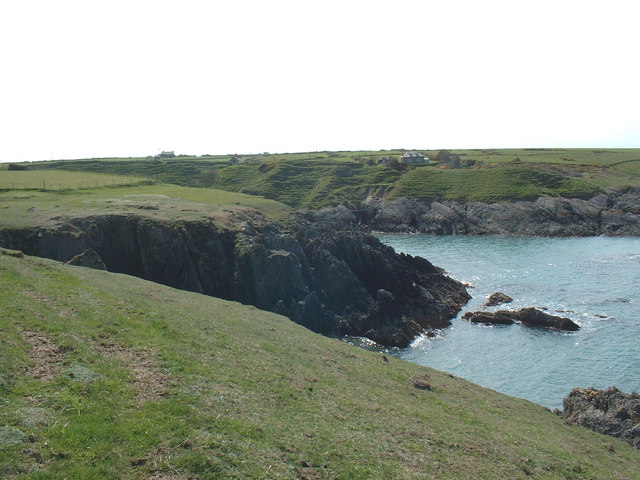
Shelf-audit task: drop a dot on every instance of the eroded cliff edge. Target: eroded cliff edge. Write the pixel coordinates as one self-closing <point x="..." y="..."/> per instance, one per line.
<point x="333" y="281"/>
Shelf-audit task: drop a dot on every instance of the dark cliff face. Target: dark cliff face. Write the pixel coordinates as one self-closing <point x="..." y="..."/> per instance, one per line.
<point x="333" y="282"/>
<point x="616" y="212"/>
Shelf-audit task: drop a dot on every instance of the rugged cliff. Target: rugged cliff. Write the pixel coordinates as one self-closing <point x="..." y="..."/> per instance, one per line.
<point x="615" y="212"/>
<point x="336" y="282"/>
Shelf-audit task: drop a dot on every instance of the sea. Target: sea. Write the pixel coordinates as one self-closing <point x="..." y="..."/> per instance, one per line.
<point x="595" y="281"/>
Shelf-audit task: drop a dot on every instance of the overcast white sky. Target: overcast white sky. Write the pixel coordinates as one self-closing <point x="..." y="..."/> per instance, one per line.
<point x="131" y="78"/>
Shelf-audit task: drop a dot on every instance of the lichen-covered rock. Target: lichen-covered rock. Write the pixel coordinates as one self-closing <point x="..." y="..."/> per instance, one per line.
<point x="89" y="258"/>
<point x="609" y="411"/>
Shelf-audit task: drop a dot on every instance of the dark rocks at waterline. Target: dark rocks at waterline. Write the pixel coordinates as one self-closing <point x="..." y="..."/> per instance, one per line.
<point x="609" y="411"/>
<point x="333" y="282"/>
<point x="489" y="318"/>
<point x="615" y="212"/>
<point x="529" y="317"/>
<point x="532" y="317"/>
<point x="498" y="298"/>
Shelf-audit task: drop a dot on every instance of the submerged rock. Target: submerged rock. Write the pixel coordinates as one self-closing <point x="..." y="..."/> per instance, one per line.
<point x="609" y="411"/>
<point x="529" y="317"/>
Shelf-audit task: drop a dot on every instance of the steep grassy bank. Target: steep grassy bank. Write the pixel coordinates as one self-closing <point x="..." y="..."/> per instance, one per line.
<point x="109" y="376"/>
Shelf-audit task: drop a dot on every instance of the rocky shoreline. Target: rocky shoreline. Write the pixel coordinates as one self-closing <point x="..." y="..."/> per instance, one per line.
<point x="615" y="212"/>
<point x="334" y="281"/>
<point x="609" y="411"/>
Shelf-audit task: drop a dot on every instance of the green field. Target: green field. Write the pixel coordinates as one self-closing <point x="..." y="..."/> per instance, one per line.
<point x="108" y="376"/>
<point x="318" y="179"/>
<point x="62" y="180"/>
<point x="163" y="201"/>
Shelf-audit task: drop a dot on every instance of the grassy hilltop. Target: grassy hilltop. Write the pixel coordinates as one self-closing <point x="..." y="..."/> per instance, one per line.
<point x="109" y="376"/>
<point x="319" y="179"/>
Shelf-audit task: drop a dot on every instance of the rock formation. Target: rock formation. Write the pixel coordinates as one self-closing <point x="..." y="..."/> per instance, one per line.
<point x="336" y="282"/>
<point x="497" y="298"/>
<point x="615" y="212"/>
<point x="605" y="411"/>
<point x="529" y="317"/>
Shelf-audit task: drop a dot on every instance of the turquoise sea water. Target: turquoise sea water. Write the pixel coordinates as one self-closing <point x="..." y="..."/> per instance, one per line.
<point x="594" y="281"/>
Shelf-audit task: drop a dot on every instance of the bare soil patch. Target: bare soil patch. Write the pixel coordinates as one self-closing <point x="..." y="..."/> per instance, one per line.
<point x="149" y="382"/>
<point x="46" y="357"/>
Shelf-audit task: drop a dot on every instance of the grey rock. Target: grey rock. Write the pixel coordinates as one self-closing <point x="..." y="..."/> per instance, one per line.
<point x="615" y="212"/>
<point x="89" y="258"/>
<point x="609" y="411"/>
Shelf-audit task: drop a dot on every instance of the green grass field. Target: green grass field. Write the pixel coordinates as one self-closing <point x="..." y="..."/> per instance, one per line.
<point x="108" y="376"/>
<point x="491" y="184"/>
<point x="317" y="179"/>
<point x="62" y="180"/>
<point x="163" y="201"/>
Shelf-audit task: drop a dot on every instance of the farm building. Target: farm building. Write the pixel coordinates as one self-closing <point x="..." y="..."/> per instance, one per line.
<point x="414" y="158"/>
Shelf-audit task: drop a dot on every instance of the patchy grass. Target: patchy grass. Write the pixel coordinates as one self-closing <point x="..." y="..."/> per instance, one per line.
<point x="240" y="393"/>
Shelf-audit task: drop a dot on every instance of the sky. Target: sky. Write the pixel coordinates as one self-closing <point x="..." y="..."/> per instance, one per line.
<point x="83" y="79"/>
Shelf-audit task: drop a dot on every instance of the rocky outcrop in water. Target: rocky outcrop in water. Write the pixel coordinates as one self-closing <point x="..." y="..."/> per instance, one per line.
<point x="332" y="281"/>
<point x="529" y="317"/>
<point x="497" y="298"/>
<point x="605" y="411"/>
<point x="615" y="212"/>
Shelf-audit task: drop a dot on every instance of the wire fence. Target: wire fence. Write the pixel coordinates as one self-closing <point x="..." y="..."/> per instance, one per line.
<point x="45" y="186"/>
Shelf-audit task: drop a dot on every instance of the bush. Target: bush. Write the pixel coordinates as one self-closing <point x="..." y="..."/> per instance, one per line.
<point x="15" y="166"/>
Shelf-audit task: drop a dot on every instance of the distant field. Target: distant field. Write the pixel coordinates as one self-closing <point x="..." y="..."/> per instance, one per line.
<point x="488" y="184"/>
<point x="61" y="180"/>
<point x="317" y="179"/>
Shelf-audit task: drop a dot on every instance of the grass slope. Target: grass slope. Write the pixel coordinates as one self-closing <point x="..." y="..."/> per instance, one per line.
<point x="319" y="179"/>
<point x="109" y="376"/>
<point x="38" y="207"/>
<point x="489" y="185"/>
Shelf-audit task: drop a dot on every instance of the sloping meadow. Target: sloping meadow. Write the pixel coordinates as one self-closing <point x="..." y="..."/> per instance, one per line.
<point x="109" y="376"/>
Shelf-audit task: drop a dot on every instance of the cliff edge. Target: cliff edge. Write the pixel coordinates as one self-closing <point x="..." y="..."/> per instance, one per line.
<point x="333" y="281"/>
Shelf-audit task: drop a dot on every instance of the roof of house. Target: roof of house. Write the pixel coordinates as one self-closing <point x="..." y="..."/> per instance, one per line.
<point x="412" y="153"/>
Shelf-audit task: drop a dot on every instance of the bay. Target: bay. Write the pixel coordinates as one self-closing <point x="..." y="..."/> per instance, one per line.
<point x="595" y="281"/>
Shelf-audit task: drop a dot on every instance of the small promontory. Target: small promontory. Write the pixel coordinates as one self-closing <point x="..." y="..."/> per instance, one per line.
<point x="332" y="280"/>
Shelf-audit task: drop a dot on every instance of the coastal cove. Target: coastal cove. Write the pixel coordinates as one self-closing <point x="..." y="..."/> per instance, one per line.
<point x="595" y="281"/>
